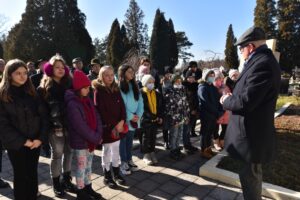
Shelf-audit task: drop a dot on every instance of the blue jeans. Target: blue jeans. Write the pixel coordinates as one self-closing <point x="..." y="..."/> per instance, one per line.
<point x="186" y="135"/>
<point x="175" y="136"/>
<point x="126" y="147"/>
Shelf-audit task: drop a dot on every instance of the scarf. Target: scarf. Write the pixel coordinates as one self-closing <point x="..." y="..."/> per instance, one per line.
<point x="90" y="117"/>
<point x="151" y="96"/>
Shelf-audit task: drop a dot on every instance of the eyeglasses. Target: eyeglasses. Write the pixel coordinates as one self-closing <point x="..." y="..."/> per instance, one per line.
<point x="243" y="46"/>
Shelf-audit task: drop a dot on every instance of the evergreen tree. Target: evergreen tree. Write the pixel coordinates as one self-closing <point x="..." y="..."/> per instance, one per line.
<point x="48" y="27"/>
<point x="159" y="43"/>
<point x="125" y="40"/>
<point x="115" y="47"/>
<point x="183" y="45"/>
<point x="231" y="55"/>
<point x="265" y="16"/>
<point x="173" y="49"/>
<point x="137" y="31"/>
<point x="289" y="33"/>
<point x="100" y="48"/>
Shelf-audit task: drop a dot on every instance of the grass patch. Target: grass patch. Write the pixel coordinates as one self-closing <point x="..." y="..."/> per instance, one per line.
<point x="285" y="170"/>
<point x="285" y="99"/>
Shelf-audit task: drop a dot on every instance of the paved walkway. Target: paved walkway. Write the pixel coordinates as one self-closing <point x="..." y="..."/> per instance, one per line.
<point x="169" y="179"/>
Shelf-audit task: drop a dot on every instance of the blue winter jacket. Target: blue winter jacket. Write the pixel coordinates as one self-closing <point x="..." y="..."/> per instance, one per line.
<point x="132" y="106"/>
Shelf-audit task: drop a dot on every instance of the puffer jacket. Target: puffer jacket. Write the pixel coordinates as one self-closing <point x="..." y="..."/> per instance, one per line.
<point x="23" y="118"/>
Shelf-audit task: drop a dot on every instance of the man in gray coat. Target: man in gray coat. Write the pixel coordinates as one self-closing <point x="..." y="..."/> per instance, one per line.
<point x="250" y="135"/>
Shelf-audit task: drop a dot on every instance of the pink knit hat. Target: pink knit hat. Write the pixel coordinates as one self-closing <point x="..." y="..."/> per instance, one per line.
<point x="80" y="80"/>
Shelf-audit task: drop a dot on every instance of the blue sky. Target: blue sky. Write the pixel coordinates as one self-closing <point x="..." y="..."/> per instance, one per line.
<point x="204" y="21"/>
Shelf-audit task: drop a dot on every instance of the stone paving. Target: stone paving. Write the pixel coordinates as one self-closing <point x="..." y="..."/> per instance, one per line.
<point x="169" y="179"/>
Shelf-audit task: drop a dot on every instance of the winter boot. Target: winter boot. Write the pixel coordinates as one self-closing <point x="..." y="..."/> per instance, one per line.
<point x="117" y="177"/>
<point x="57" y="187"/>
<point x="166" y="139"/>
<point x="83" y="195"/>
<point x="67" y="183"/>
<point x="91" y="192"/>
<point x="108" y="180"/>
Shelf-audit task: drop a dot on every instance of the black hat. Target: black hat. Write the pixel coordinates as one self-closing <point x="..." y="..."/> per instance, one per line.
<point x="95" y="61"/>
<point x="168" y="70"/>
<point x="38" y="62"/>
<point x="190" y="73"/>
<point x="252" y="34"/>
<point x="75" y="60"/>
<point x="193" y="64"/>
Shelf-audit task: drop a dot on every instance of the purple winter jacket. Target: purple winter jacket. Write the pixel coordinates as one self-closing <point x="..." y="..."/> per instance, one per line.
<point x="79" y="131"/>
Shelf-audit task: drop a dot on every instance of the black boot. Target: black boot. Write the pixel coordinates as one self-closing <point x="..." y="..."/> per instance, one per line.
<point x="166" y="139"/>
<point x="108" y="180"/>
<point x="83" y="195"/>
<point x="57" y="187"/>
<point x="117" y="177"/>
<point x="3" y="184"/>
<point x="91" y="192"/>
<point x="67" y="183"/>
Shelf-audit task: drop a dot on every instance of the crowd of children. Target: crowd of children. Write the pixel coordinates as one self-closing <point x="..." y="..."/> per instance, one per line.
<point x="75" y="113"/>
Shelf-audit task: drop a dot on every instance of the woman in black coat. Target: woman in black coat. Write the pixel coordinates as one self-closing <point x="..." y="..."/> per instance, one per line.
<point x="23" y="127"/>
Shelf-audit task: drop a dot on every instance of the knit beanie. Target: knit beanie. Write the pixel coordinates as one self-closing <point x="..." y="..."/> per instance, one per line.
<point x="80" y="80"/>
<point x="232" y="72"/>
<point x="146" y="78"/>
<point x="218" y="74"/>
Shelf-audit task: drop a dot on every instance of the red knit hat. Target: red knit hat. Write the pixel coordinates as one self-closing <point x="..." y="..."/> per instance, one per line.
<point x="80" y="80"/>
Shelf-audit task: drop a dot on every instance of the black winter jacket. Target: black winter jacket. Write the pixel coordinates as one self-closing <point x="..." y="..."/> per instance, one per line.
<point x="23" y="118"/>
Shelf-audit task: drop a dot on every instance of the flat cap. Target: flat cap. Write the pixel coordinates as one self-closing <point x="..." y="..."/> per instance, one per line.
<point x="252" y="34"/>
<point x="78" y="59"/>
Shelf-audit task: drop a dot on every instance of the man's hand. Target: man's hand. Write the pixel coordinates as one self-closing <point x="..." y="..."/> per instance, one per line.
<point x="224" y="97"/>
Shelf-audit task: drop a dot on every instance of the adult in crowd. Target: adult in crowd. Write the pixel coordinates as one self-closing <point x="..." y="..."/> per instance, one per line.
<point x="250" y="134"/>
<point x="31" y="68"/>
<point x="94" y="69"/>
<point x="77" y="64"/>
<point x="193" y="67"/>
<point x="36" y="78"/>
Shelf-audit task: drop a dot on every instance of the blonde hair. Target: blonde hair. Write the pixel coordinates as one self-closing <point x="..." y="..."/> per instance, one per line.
<point x="55" y="58"/>
<point x="99" y="81"/>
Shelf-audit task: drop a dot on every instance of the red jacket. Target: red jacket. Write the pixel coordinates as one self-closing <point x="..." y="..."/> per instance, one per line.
<point x="112" y="110"/>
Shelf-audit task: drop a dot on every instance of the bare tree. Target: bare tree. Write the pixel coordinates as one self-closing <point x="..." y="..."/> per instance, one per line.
<point x="3" y="21"/>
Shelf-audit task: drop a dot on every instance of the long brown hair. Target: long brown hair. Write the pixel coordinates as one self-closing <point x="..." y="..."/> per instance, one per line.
<point x="6" y="81"/>
<point x="124" y="85"/>
<point x="99" y="81"/>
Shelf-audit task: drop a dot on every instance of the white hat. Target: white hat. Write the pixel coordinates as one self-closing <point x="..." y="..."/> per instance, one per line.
<point x="146" y="78"/>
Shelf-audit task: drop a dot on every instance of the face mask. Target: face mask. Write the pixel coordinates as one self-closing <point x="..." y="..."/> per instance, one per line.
<point x="210" y="79"/>
<point x="178" y="86"/>
<point x="150" y="86"/>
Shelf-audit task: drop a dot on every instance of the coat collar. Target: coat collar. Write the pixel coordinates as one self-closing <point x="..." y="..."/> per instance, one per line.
<point x="251" y="61"/>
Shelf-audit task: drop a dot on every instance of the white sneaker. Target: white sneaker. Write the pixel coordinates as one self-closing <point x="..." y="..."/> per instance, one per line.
<point x="147" y="159"/>
<point x="125" y="168"/>
<point x="217" y="147"/>
<point x="153" y="157"/>
<point x="133" y="167"/>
